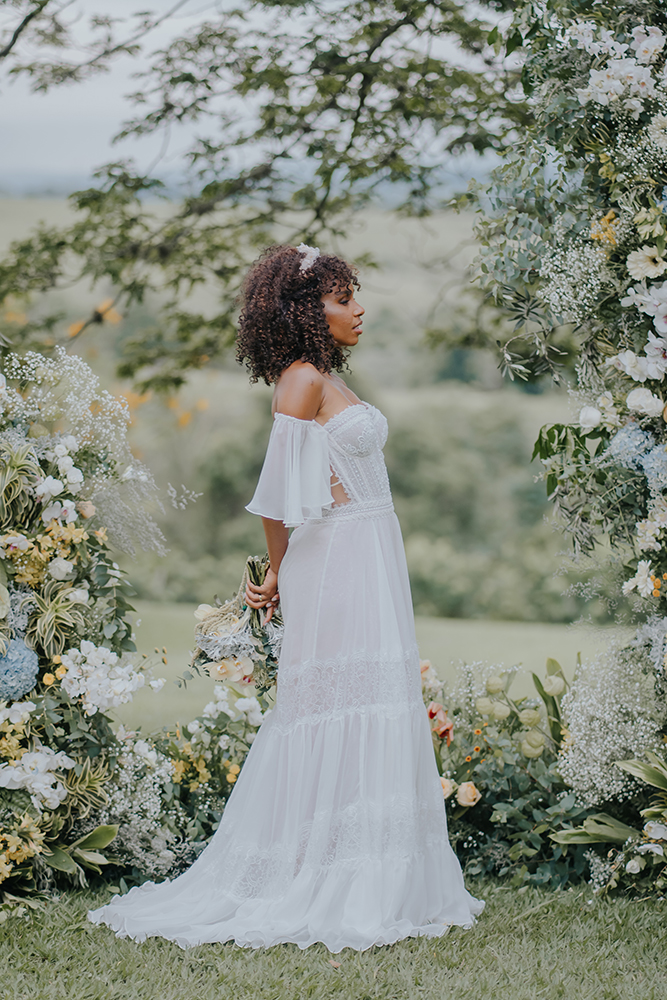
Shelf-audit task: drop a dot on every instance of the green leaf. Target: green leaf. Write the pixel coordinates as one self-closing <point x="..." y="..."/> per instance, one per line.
<point x="645" y="772"/>
<point x="598" y="829"/>
<point x="56" y="858"/>
<point x="101" y="836"/>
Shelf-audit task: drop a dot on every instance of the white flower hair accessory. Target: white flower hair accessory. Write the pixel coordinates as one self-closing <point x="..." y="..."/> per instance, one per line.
<point x="310" y="255"/>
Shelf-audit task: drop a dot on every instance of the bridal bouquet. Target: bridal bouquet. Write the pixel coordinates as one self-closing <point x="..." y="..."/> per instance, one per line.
<point x="233" y="643"/>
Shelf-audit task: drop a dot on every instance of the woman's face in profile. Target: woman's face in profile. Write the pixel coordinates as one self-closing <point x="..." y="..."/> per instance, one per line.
<point x="343" y="315"/>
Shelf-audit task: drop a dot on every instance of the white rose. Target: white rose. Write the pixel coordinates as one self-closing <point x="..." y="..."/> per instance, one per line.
<point x="65" y="464"/>
<point x="60" y="569"/>
<point x="643" y="401"/>
<point x="633" y="867"/>
<point x="589" y="417"/>
<point x="79" y="595"/>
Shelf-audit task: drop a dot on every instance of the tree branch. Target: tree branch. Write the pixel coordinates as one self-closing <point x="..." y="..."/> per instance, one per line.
<point x="35" y="12"/>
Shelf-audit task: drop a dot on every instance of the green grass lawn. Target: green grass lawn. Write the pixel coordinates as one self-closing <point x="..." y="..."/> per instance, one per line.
<point x="528" y="944"/>
<point x="443" y="641"/>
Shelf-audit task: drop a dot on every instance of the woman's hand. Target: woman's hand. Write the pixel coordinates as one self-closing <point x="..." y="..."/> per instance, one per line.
<point x="266" y="596"/>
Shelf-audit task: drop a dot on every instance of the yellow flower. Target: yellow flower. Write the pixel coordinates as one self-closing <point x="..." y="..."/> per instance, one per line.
<point x="603" y="229"/>
<point x="234" y="768"/>
<point x="231" y="778"/>
<point x="5" y="867"/>
<point x="48" y="679"/>
<point x="180" y="768"/>
<point x="60" y="672"/>
<point x="101" y="534"/>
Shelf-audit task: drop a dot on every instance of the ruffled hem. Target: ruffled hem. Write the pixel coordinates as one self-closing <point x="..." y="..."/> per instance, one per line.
<point x="402" y="929"/>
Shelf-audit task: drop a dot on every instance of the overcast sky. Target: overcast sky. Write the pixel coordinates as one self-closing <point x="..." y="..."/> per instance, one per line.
<point x="55" y="140"/>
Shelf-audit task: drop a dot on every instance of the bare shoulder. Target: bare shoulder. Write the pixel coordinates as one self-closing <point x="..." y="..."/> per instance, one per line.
<point x="299" y="391"/>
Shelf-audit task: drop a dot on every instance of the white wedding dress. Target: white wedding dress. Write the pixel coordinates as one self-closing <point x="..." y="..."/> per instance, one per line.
<point x="336" y="829"/>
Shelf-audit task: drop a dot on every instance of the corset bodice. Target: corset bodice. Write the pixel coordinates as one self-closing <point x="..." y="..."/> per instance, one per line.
<point x="357" y="436"/>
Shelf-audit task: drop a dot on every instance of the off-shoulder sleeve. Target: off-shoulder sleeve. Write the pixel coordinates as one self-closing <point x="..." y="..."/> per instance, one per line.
<point x="294" y="484"/>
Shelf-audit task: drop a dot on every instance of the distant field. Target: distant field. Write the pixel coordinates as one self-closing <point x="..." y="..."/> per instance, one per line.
<point x="444" y="641"/>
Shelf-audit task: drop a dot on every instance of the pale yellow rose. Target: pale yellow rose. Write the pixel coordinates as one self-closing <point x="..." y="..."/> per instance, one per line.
<point x="484" y="706"/>
<point x="530" y="751"/>
<point x="467" y="794"/>
<point x="448" y="787"/>
<point x="501" y="711"/>
<point x="495" y="685"/>
<point x="554" y="685"/>
<point x="535" y="738"/>
<point x="529" y="717"/>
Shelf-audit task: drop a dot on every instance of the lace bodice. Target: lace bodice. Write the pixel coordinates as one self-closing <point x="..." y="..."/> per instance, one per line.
<point x="357" y="436"/>
<point x="295" y="482"/>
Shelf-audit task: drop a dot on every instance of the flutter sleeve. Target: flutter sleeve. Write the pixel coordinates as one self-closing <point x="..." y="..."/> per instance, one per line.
<point x="294" y="484"/>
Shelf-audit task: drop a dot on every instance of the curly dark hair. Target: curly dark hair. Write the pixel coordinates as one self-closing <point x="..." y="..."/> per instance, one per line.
<point x="282" y="317"/>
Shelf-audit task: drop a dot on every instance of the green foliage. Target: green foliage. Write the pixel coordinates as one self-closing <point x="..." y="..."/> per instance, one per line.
<point x="304" y="112"/>
<point x="505" y="796"/>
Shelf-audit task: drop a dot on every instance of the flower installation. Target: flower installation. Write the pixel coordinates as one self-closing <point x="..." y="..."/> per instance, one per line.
<point x="574" y="244"/>
<point x="69" y="489"/>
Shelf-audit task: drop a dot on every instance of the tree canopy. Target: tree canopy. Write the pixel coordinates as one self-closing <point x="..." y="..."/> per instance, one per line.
<point x="303" y="111"/>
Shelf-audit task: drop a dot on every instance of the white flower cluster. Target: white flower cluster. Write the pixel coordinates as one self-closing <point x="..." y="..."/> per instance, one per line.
<point x="653" y="364"/>
<point x="17" y="713"/>
<point x="572" y="279"/>
<point x="652" y="637"/>
<point x="627" y="77"/>
<point x="649" y="529"/>
<point x="35" y="771"/>
<point x="136" y="795"/>
<point x="603" y="414"/>
<point x="627" y="447"/>
<point x="641" y="581"/>
<point x="99" y="678"/>
<point x="63" y="389"/>
<point x="611" y="714"/>
<point x="600" y="869"/>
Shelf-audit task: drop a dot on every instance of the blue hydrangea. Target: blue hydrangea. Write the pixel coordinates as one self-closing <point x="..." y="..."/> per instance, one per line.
<point x="628" y="446"/>
<point x="18" y="670"/>
<point x="654" y="464"/>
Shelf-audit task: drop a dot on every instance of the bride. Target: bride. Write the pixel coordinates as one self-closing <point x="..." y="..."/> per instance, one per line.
<point x="336" y="829"/>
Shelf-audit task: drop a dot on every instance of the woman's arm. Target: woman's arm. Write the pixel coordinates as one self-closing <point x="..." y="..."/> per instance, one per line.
<point x="299" y="393"/>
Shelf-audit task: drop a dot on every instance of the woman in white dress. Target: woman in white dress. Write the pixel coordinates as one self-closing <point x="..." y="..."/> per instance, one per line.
<point x="336" y="829"/>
